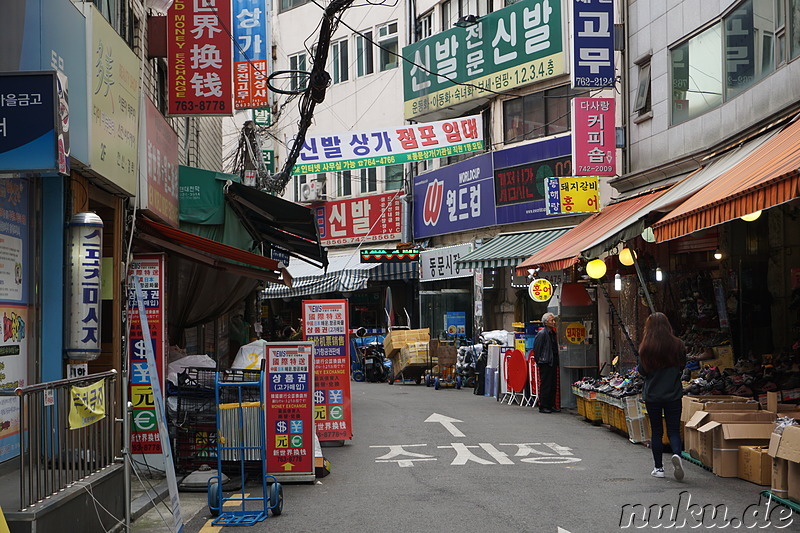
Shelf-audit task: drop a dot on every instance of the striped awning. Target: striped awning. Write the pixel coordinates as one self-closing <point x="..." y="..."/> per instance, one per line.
<point x="345" y="273"/>
<point x="510" y="249"/>
<point x="395" y="271"/>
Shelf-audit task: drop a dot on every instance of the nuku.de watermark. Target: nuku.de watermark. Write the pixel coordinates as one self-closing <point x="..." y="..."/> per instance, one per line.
<point x="686" y="514"/>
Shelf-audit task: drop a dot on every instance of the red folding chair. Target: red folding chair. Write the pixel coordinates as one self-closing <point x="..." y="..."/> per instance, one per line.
<point x="534" y="381"/>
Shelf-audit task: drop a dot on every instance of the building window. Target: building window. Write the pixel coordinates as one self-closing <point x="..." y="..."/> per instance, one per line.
<point x="537" y="115"/>
<point x="749" y="44"/>
<point x="424" y="27"/>
<point x="387" y="39"/>
<point x="365" y="63"/>
<point x="286" y="5"/>
<point x="697" y="75"/>
<point x="161" y="86"/>
<point x="344" y="183"/>
<point x="794" y="21"/>
<point x="394" y="177"/>
<point x="339" y="62"/>
<point x="642" y="104"/>
<point x="297" y="62"/>
<point x="369" y="179"/>
<point x="446" y="11"/>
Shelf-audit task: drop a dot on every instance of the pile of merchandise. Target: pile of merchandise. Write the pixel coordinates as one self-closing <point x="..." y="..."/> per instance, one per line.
<point x="615" y="384"/>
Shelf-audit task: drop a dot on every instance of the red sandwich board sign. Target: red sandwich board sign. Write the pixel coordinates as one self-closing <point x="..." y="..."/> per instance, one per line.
<point x="326" y="324"/>
<point x="289" y="410"/>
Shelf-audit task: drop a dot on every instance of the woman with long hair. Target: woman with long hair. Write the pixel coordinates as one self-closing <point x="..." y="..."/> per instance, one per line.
<point x="662" y="357"/>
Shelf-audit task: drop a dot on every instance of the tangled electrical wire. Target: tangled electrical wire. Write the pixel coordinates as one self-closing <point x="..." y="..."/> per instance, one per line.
<point x="318" y="82"/>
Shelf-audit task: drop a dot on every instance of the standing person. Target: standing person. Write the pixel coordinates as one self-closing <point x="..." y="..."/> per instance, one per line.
<point x="662" y="357"/>
<point x="545" y="350"/>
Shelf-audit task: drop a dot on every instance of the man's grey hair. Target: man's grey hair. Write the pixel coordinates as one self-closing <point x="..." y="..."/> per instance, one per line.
<point x="547" y="316"/>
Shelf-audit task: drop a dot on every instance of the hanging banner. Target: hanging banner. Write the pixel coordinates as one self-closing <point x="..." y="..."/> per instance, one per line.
<point x="568" y="195"/>
<point x="289" y="410"/>
<point x="511" y="47"/>
<point x="199" y="55"/>
<point x="250" y="53"/>
<point x="440" y="263"/>
<point x="150" y="270"/>
<point x="593" y="137"/>
<point x="158" y="187"/>
<point x="593" y="43"/>
<point x="326" y="324"/>
<point x="374" y="218"/>
<point x="87" y="404"/>
<point x="390" y="146"/>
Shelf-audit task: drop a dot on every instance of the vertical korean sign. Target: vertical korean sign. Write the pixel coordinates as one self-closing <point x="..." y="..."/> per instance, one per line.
<point x="150" y="270"/>
<point x="593" y="43"/>
<point x="594" y="151"/>
<point x="289" y="408"/>
<point x="15" y="294"/>
<point x="199" y="56"/>
<point x="250" y="54"/>
<point x="326" y="324"/>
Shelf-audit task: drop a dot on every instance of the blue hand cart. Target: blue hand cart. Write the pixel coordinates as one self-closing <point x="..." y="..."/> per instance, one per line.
<point x="241" y="440"/>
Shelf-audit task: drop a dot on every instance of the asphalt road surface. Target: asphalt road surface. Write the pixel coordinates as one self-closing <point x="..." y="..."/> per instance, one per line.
<point x="424" y="460"/>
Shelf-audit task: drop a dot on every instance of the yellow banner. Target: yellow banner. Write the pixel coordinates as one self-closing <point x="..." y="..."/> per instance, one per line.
<point x="88" y="405"/>
<point x="572" y="194"/>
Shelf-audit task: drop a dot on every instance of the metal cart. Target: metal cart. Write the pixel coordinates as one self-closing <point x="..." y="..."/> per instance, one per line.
<point x="241" y="438"/>
<point x="443" y="374"/>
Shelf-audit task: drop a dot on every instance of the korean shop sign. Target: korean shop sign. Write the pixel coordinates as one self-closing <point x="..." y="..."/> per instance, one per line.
<point x="250" y="54"/>
<point x="28" y="122"/>
<point x="85" y="249"/>
<point x="515" y="46"/>
<point x="455" y="198"/>
<point x="440" y="263"/>
<point x="593" y="43"/>
<point x="593" y="137"/>
<point x="200" y="57"/>
<point x="390" y="146"/>
<point x="367" y="219"/>
<point x="566" y="196"/>
<point x="87" y="404"/>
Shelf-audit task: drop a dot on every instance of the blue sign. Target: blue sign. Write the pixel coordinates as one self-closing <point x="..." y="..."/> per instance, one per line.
<point x="593" y="43"/>
<point x="455" y="198"/>
<point x="250" y="30"/>
<point x="519" y="177"/>
<point x="455" y="324"/>
<point x="28" y="122"/>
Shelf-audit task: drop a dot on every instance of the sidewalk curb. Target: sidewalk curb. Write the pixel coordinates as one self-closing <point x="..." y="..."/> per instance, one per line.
<point x="148" y="500"/>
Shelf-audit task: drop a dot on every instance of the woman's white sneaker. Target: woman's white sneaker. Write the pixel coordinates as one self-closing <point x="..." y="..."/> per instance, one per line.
<point x="657" y="472"/>
<point x="678" y="464"/>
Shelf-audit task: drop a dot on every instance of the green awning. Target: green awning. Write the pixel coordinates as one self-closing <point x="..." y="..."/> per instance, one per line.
<point x="510" y="249"/>
<point x="200" y="194"/>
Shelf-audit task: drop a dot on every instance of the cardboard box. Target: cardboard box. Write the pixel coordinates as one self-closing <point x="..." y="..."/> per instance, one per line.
<point x="787" y="447"/>
<point x="755" y="464"/>
<point x="699" y="431"/>
<point x="692" y="404"/>
<point x="636" y="429"/>
<point x="397" y="338"/>
<point x="633" y="406"/>
<point x="728" y="437"/>
<point x="780" y="478"/>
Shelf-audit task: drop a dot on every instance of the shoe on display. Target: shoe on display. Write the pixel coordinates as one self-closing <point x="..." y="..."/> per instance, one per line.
<point x="678" y="464"/>
<point x="657" y="472"/>
<point x="545" y="410"/>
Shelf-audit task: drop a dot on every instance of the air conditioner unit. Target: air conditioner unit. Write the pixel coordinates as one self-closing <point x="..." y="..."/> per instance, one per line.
<point x="312" y="192"/>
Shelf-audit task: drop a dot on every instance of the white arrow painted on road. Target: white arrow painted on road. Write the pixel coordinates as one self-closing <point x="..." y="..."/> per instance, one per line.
<point x="561" y="530"/>
<point x="447" y="423"/>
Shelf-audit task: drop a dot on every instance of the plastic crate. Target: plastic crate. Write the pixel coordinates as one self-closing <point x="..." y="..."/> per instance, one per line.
<point x="581" y="406"/>
<point x="594" y="410"/>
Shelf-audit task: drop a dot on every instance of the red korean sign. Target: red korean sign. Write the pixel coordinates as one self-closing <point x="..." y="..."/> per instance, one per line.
<point x="367" y="219"/>
<point x="150" y="270"/>
<point x="289" y="408"/>
<point x="200" y="57"/>
<point x="593" y="137"/>
<point x="326" y="324"/>
<point x="250" y="54"/>
<point x="159" y="195"/>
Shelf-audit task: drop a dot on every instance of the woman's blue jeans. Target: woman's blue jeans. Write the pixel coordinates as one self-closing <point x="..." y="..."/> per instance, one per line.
<point x="671" y="412"/>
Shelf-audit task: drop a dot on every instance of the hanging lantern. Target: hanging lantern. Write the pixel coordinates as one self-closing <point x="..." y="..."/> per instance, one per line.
<point x="648" y="235"/>
<point x="751" y="217"/>
<point x="596" y="268"/>
<point x="659" y="274"/>
<point x="627" y="256"/>
<point x="617" y="282"/>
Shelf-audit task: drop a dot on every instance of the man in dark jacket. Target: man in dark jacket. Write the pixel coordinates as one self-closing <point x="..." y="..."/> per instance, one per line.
<point x="545" y="349"/>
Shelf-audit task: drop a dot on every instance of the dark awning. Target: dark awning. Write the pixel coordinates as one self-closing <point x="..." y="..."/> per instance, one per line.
<point x="510" y="249"/>
<point x="211" y="253"/>
<point x="273" y="221"/>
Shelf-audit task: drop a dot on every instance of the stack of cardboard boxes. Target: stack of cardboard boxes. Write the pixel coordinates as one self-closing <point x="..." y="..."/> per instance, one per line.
<point x="407" y="347"/>
<point x="733" y="437"/>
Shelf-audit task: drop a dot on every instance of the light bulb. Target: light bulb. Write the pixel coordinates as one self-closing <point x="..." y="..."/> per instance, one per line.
<point x="659" y="274"/>
<point x="596" y="268"/>
<point x="750" y="217"/>
<point x="648" y="235"/>
<point x="627" y="256"/>
<point x="717" y="254"/>
<point x="617" y="282"/>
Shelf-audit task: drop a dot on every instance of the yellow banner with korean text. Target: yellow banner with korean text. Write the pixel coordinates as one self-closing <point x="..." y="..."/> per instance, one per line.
<point x="87" y="405"/>
<point x="572" y="194"/>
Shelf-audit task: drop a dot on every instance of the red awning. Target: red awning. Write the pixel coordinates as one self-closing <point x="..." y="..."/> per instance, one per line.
<point x="565" y="251"/>
<point x="213" y="253"/>
<point x="767" y="177"/>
